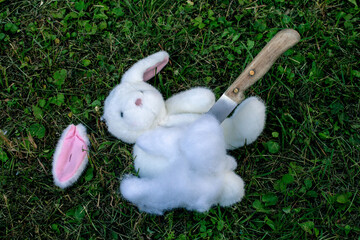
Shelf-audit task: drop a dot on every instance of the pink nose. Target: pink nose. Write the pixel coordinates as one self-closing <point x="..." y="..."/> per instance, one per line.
<point x="138" y="102"/>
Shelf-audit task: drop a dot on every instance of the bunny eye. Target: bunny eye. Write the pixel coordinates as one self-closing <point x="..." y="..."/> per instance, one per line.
<point x="121" y="114"/>
<point x="141" y="91"/>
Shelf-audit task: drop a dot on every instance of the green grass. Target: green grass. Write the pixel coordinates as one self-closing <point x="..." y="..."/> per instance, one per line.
<point x="60" y="59"/>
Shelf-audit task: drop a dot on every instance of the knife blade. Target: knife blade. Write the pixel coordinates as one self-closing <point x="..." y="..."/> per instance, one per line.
<point x="260" y="65"/>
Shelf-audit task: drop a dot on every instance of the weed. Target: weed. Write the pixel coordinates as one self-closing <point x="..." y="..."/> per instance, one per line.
<point x="60" y="59"/>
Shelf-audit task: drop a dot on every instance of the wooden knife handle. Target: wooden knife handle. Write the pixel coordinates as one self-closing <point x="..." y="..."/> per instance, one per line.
<point x="281" y="42"/>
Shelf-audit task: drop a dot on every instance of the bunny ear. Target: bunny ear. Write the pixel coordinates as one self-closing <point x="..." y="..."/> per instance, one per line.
<point x="146" y="68"/>
<point x="70" y="157"/>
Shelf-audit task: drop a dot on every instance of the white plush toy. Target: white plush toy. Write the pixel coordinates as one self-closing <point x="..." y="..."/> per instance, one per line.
<point x="181" y="162"/>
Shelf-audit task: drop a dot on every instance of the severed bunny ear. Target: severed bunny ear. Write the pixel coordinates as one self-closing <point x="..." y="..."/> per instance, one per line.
<point x="146" y="68"/>
<point x="70" y="157"/>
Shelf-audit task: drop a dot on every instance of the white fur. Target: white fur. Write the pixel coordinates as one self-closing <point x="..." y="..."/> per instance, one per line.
<point x="197" y="175"/>
<point x="82" y="132"/>
<point x="182" y="108"/>
<point x="135" y="120"/>
<point x="196" y="100"/>
<point x="246" y="124"/>
<point x="184" y="161"/>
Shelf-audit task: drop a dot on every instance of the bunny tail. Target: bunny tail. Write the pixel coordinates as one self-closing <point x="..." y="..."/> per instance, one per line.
<point x="70" y="157"/>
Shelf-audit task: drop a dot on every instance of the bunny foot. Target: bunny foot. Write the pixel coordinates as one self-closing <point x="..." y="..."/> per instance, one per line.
<point x="233" y="189"/>
<point x="246" y="124"/>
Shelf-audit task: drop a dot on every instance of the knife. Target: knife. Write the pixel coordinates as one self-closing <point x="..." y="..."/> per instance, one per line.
<point x="260" y="65"/>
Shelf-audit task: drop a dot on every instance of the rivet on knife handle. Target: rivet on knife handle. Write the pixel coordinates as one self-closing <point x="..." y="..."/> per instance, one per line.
<point x="281" y="42"/>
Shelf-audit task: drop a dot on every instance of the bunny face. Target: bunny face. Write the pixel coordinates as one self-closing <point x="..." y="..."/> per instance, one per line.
<point x="133" y="108"/>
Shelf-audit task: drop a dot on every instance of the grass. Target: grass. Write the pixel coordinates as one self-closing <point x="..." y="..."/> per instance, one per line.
<point x="60" y="59"/>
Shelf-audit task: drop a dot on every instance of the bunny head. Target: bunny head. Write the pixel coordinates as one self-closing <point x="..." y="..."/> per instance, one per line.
<point x="134" y="106"/>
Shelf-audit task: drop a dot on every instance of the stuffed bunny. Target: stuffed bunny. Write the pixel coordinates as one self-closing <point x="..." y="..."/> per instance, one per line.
<point x="180" y="152"/>
<point x="134" y="107"/>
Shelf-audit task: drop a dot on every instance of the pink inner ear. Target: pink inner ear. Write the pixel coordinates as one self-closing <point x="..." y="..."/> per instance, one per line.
<point x="73" y="153"/>
<point x="151" y="71"/>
